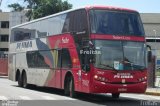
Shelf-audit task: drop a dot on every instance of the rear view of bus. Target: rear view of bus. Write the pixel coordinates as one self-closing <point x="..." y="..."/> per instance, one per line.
<point x="119" y="62"/>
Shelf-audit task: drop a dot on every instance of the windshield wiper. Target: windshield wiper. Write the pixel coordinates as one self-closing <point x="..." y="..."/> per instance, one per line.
<point x="134" y="66"/>
<point x="138" y="67"/>
<point x="108" y="66"/>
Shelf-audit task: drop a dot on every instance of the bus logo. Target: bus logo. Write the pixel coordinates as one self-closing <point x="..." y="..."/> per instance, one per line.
<point x="22" y="45"/>
<point x="123" y="75"/>
<point x="65" y="40"/>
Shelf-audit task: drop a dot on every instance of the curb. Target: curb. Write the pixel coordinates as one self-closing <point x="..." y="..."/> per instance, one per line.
<point x="4" y="77"/>
<point x="153" y="93"/>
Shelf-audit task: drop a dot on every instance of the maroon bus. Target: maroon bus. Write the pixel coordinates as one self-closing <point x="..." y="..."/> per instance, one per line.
<point x="96" y="49"/>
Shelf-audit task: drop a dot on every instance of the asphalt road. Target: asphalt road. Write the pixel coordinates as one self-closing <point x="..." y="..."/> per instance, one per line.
<point x="12" y="95"/>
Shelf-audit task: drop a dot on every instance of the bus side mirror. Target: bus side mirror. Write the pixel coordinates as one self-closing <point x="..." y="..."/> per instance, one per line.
<point x="149" y="53"/>
<point x="86" y="67"/>
<point x="149" y="56"/>
<point x="86" y="59"/>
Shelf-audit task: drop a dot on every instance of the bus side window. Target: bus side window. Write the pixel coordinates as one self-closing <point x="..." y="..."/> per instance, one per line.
<point x="66" y="59"/>
<point x="35" y="59"/>
<point x="80" y="21"/>
<point x="68" y="24"/>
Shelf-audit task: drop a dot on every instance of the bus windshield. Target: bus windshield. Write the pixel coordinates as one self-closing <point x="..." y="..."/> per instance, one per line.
<point x="120" y="55"/>
<point x="116" y="23"/>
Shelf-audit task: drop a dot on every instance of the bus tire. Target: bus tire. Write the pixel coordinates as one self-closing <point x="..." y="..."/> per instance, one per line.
<point x="19" y="80"/>
<point x="72" y="92"/>
<point x="115" y="95"/>
<point x="69" y="87"/>
<point x="24" y="80"/>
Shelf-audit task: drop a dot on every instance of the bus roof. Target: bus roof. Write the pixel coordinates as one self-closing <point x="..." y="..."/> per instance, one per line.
<point x="87" y="8"/>
<point x="109" y="8"/>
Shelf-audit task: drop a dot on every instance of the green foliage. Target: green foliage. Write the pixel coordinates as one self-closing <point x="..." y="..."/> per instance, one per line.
<point x="47" y="7"/>
<point x="41" y="8"/>
<point x="16" y="7"/>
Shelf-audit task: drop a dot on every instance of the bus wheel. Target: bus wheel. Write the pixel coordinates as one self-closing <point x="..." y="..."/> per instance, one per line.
<point x="72" y="92"/>
<point x="115" y="95"/>
<point x="69" y="87"/>
<point x="24" y="80"/>
<point x="19" y="81"/>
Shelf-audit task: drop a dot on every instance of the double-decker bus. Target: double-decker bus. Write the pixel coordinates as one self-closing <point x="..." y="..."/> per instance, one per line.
<point x="95" y="49"/>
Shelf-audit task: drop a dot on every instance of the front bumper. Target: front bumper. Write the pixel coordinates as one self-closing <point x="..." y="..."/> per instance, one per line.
<point x="101" y="87"/>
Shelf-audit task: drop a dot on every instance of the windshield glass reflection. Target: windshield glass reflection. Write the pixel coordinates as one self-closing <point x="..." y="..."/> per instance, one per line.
<point x="120" y="55"/>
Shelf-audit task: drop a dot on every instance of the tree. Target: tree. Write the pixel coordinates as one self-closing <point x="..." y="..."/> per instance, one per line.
<point x="41" y="8"/>
<point x="47" y="7"/>
<point x="16" y="7"/>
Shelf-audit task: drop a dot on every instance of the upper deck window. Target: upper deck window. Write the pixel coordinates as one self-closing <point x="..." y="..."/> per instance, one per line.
<point x="116" y="23"/>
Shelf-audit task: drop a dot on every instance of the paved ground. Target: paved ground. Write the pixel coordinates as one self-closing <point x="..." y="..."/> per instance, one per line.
<point x="10" y="91"/>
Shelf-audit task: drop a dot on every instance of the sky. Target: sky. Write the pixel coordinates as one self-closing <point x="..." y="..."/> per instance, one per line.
<point x="143" y="6"/>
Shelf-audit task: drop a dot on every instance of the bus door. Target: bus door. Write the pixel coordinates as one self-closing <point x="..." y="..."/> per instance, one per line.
<point x="64" y="64"/>
<point x="57" y="69"/>
<point x="85" y="71"/>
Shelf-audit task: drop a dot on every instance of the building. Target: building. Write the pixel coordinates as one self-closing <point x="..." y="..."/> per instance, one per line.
<point x="151" y="22"/>
<point x="4" y="31"/>
<point x="8" y="20"/>
<point x="16" y="18"/>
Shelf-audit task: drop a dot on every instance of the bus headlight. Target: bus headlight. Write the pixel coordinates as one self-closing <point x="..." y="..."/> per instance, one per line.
<point x="102" y="79"/>
<point x="139" y="79"/>
<point x="142" y="79"/>
<point x="96" y="77"/>
<point x="145" y="77"/>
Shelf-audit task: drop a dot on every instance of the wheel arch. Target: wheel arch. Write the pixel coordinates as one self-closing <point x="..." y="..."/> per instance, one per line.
<point x="68" y="75"/>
